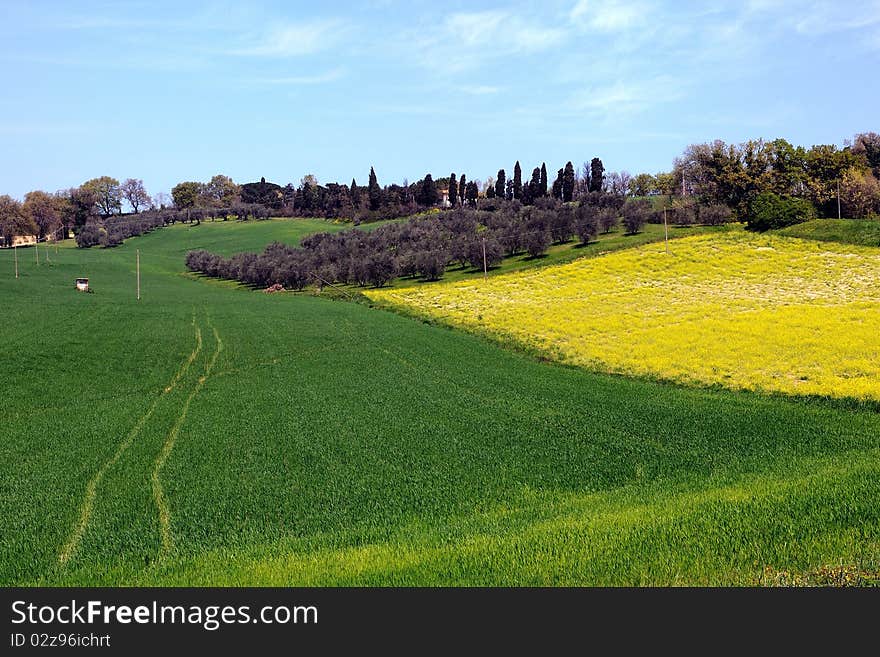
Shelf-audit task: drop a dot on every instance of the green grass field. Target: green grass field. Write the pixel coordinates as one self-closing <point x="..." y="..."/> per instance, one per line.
<point x="846" y="231"/>
<point x="214" y="435"/>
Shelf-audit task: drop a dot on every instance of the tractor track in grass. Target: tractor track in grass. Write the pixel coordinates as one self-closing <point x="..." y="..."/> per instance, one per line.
<point x="158" y="493"/>
<point x="75" y="538"/>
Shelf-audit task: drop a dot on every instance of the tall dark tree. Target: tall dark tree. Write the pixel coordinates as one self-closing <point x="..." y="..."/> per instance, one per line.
<point x="472" y="193"/>
<point x="517" y="180"/>
<point x="429" y="195"/>
<point x="355" y="193"/>
<point x="542" y="191"/>
<point x="597" y="175"/>
<point x="501" y="184"/>
<point x="374" y="191"/>
<point x="535" y="182"/>
<point x="81" y="207"/>
<point x="509" y="191"/>
<point x="557" y="185"/>
<point x="568" y="182"/>
<point x="462" y="189"/>
<point x="532" y="189"/>
<point x="453" y="189"/>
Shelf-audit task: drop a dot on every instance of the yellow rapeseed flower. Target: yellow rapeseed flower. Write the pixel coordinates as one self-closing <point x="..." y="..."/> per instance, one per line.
<point x="759" y="312"/>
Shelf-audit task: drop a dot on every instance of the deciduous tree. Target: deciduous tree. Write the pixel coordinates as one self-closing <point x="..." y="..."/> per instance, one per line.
<point x="44" y="210"/>
<point x="186" y="194"/>
<point x="14" y="221"/>
<point x="107" y="193"/>
<point x="222" y="191"/>
<point x="135" y="193"/>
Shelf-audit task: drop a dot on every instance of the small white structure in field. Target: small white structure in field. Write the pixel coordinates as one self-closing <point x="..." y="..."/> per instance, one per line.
<point x="82" y="284"/>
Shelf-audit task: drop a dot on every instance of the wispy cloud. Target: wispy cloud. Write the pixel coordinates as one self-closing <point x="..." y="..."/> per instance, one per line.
<point x="608" y="15"/>
<point x="296" y="40"/>
<point x="293" y="80"/>
<point x="467" y="40"/>
<point x="623" y="98"/>
<point x="818" y="17"/>
<point x="481" y="90"/>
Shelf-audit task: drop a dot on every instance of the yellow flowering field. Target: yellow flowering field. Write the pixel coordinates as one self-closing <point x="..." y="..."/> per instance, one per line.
<point x="759" y="312"/>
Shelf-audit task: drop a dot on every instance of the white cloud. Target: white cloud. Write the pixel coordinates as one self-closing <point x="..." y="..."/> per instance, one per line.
<point x="296" y="40"/>
<point x="625" y="98"/>
<point x="818" y="17"/>
<point x="608" y="15"/>
<point x="319" y="78"/>
<point x="481" y="90"/>
<point x="466" y="40"/>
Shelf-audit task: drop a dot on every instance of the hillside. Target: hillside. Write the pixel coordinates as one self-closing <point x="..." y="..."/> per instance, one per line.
<point x="210" y="434"/>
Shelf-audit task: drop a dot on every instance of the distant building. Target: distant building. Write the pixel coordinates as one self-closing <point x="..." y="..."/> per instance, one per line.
<point x="444" y="197"/>
<point x="24" y="240"/>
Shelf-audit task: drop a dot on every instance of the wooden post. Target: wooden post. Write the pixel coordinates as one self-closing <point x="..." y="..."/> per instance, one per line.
<point x="666" y="230"/>
<point x="485" y="269"/>
<point x="138" y="274"/>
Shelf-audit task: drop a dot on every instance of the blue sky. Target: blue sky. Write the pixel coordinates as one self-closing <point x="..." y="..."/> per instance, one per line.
<point x="171" y="91"/>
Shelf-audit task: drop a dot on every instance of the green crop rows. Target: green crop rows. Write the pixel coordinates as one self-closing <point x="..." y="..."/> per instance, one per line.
<point x="211" y="434"/>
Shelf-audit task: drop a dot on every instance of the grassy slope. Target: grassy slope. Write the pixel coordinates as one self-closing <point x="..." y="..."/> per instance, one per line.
<point x="847" y="231"/>
<point x="335" y="444"/>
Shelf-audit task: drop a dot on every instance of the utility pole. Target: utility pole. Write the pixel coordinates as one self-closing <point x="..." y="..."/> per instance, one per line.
<point x="485" y="269"/>
<point x="666" y="230"/>
<point x="838" y="198"/>
<point x="138" y="274"/>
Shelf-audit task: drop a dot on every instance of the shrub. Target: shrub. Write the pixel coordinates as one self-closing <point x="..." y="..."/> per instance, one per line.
<point x="768" y="211"/>
<point x="586" y="223"/>
<point x="715" y="215"/>
<point x="635" y="215"/>
<point x="89" y="235"/>
<point x="608" y="219"/>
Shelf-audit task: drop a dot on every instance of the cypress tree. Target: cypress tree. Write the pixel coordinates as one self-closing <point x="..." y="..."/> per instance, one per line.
<point x="374" y="191"/>
<point x="568" y="182"/>
<point x="429" y="194"/>
<point x="557" y="185"/>
<point x="500" y="184"/>
<point x="355" y="194"/>
<point x="542" y="191"/>
<point x="461" y="188"/>
<point x="532" y="189"/>
<point x="453" y="189"/>
<point x="597" y="175"/>
<point x="472" y="193"/>
<point x="517" y="180"/>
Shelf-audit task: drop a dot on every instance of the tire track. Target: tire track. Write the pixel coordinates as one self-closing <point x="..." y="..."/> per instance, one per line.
<point x="73" y="542"/>
<point x="158" y="493"/>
